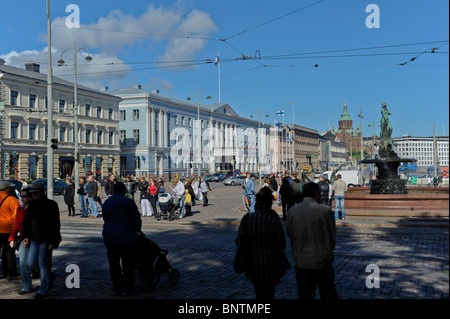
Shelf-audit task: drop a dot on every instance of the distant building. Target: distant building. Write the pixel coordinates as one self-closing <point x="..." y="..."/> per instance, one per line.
<point x="332" y="152"/>
<point x="23" y="126"/>
<point x="422" y="149"/>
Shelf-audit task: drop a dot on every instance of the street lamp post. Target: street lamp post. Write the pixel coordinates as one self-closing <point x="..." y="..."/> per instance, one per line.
<point x="259" y="140"/>
<point x="75" y="106"/>
<point x="198" y="126"/>
<point x="362" y="148"/>
<point x="49" y="108"/>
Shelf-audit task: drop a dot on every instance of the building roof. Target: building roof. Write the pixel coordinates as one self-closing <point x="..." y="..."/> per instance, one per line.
<point x="345" y="116"/>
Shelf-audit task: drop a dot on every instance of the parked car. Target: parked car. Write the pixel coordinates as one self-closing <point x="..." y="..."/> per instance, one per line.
<point x="237" y="180"/>
<point x="17" y="184"/>
<point x="218" y="177"/>
<point x="59" y="187"/>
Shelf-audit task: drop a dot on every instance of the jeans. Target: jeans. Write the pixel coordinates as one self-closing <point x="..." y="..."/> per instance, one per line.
<point x="339" y="201"/>
<point x="93" y="205"/>
<point x="182" y="207"/>
<point x="83" y="203"/>
<point x="39" y="254"/>
<point x="307" y="279"/>
<point x="252" y="199"/>
<point x="205" y="198"/>
<point x="25" y="269"/>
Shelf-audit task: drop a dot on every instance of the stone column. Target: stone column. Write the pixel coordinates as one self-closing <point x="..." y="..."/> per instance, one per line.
<point x="152" y="128"/>
<point x="166" y="138"/>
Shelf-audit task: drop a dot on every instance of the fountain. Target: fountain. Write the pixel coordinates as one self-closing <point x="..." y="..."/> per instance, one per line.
<point x="388" y="180"/>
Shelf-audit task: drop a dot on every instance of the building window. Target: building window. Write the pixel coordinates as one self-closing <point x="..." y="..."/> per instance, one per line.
<point x="62" y="133"/>
<point x="99" y="137"/>
<point x="99" y="111"/>
<point x="111" y="138"/>
<point x="110" y="114"/>
<point x="135" y="115"/>
<point x="14" y="129"/>
<point x="87" y="109"/>
<point x="14" y="95"/>
<point x="32" y="131"/>
<point x="46" y="102"/>
<point x="32" y="101"/>
<point x="136" y="137"/>
<point x="88" y="136"/>
<point x="62" y="104"/>
<point x="123" y="115"/>
<point x="123" y="137"/>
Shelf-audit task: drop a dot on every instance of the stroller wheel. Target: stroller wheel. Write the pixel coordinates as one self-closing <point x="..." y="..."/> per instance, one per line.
<point x="156" y="282"/>
<point x="174" y="276"/>
<point x="158" y="216"/>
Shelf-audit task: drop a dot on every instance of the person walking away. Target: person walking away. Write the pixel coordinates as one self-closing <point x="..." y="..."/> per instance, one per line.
<point x="297" y="189"/>
<point x="339" y="189"/>
<point x="42" y="233"/>
<point x="312" y="232"/>
<point x="8" y="211"/>
<point x="145" y="203"/>
<point x="250" y="191"/>
<point x="204" y="191"/>
<point x="262" y="231"/>
<point x="188" y="202"/>
<point x="17" y="233"/>
<point x="109" y="185"/>
<point x="82" y="192"/>
<point x="324" y="190"/>
<point x="179" y="192"/>
<point x="92" y="196"/>
<point x="153" y="195"/>
<point x="121" y="222"/>
<point x="69" y="196"/>
<point x="287" y="195"/>
<point x="189" y="187"/>
<point x="273" y="183"/>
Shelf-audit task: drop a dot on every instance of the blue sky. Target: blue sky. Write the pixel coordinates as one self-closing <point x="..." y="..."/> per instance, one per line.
<point x="166" y="45"/>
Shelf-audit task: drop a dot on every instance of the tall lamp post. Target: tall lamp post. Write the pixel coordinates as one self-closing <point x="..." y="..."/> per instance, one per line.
<point x="198" y="126"/>
<point x="75" y="106"/>
<point x="49" y="108"/>
<point x="259" y="146"/>
<point x="362" y="148"/>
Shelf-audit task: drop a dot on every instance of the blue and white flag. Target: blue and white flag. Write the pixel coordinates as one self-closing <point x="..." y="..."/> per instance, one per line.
<point x="217" y="59"/>
<point x="280" y="112"/>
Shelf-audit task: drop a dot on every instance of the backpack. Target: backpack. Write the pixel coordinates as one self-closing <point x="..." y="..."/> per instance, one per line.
<point x="296" y="187"/>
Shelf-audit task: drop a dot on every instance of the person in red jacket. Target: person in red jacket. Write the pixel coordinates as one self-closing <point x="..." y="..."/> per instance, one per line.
<point x="8" y="210"/>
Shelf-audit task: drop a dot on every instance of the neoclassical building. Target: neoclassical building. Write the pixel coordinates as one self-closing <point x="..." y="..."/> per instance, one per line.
<point x="24" y="133"/>
<point x="158" y="136"/>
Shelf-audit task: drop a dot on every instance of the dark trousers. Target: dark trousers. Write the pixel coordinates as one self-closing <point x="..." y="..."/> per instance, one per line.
<point x="9" y="267"/>
<point x="122" y="264"/>
<point x="71" y="209"/>
<point x="286" y="204"/>
<point x="152" y="199"/>
<point x="265" y="289"/>
<point x="205" y="198"/>
<point x="308" y="279"/>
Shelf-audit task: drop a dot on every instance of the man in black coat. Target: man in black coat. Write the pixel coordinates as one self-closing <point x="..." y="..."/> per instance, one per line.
<point x="109" y="185"/>
<point x="41" y="231"/>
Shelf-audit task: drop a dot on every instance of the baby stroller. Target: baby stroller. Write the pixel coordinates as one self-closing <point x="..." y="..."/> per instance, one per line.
<point x="151" y="262"/>
<point x="169" y="208"/>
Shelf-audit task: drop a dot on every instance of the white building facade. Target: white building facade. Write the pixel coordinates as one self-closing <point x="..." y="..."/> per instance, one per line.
<point x="422" y="149"/>
<point x="159" y="136"/>
<point x="24" y="133"/>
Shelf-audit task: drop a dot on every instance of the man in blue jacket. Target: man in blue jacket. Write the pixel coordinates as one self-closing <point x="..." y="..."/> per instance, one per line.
<point x="251" y="192"/>
<point x="122" y="221"/>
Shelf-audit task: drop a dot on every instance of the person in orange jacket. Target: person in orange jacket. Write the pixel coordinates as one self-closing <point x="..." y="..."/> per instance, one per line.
<point x="8" y="210"/>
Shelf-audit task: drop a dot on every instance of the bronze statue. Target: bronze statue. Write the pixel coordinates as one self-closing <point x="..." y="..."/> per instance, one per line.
<point x="386" y="142"/>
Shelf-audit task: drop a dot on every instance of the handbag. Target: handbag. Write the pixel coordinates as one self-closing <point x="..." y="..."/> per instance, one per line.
<point x="242" y="255"/>
<point x="17" y="242"/>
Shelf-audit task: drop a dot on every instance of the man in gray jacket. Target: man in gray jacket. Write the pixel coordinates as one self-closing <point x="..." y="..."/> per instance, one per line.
<point x="311" y="228"/>
<point x="92" y="196"/>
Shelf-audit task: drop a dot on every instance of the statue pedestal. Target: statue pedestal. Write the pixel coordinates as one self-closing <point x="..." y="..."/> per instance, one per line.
<point x="388" y="180"/>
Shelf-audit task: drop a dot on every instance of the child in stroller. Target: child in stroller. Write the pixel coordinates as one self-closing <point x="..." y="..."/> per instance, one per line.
<point x="152" y="263"/>
<point x="169" y="207"/>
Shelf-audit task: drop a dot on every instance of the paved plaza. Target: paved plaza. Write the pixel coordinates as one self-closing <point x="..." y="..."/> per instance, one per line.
<point x="413" y="260"/>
